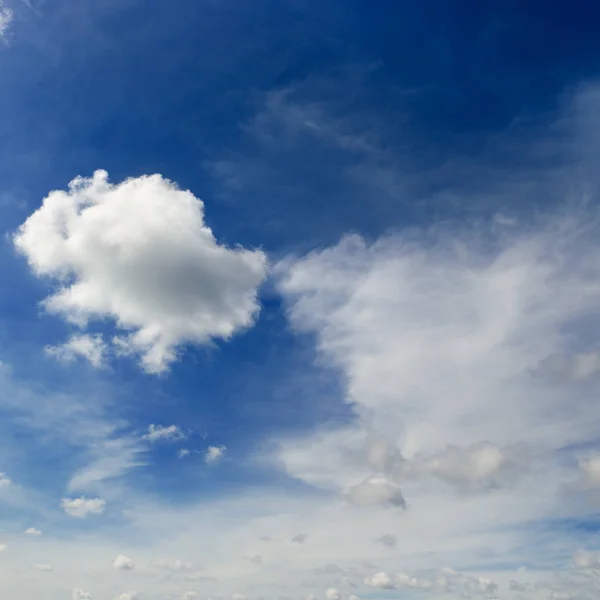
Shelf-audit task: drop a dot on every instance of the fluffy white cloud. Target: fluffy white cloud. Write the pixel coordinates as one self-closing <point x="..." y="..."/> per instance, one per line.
<point x="333" y="594"/>
<point x="82" y="507"/>
<point x="139" y="253"/>
<point x="214" y="453"/>
<point x="375" y="491"/>
<point x="89" y="347"/>
<point x="183" y="452"/>
<point x="81" y="595"/>
<point x="160" y="433"/>
<point x="32" y="531"/>
<point x="380" y="580"/>
<point x="128" y="596"/>
<point x="123" y="563"/>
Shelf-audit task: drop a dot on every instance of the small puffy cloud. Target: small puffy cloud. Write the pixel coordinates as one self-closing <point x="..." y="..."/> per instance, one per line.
<point x="128" y="596"/>
<point x="333" y="594"/>
<point x="160" y="433"/>
<point x="214" y="453"/>
<point x="32" y="531"/>
<point x="42" y="567"/>
<point x="183" y="452"/>
<point x="380" y="580"/>
<point x="140" y="254"/>
<point x="586" y="559"/>
<point x="300" y="538"/>
<point x="404" y="580"/>
<point x="82" y="507"/>
<point x="590" y="472"/>
<point x="89" y="347"/>
<point x="5" y="480"/>
<point x="172" y="564"/>
<point x="375" y="491"/>
<point x="81" y="595"/>
<point x="123" y="563"/>
<point x="388" y="540"/>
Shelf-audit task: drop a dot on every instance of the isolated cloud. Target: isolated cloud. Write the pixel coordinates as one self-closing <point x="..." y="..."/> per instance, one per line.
<point x="183" y="452"/>
<point x="32" y="531"/>
<point x="388" y="540"/>
<point x="215" y="453"/>
<point x="376" y="491"/>
<point x="82" y="507"/>
<point x="123" y="563"/>
<point x="333" y="594"/>
<point x="172" y="564"/>
<point x="160" y="433"/>
<point x="89" y="347"/>
<point x="380" y="580"/>
<point x="139" y="253"/>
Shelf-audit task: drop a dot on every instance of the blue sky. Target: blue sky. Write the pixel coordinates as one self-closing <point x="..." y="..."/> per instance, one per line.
<point x="300" y="300"/>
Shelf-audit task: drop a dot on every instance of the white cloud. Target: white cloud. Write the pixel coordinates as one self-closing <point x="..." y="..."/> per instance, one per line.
<point x="128" y="596"/>
<point x="123" y="563"/>
<point x="89" y="347"/>
<point x="6" y="18"/>
<point x="139" y="253"/>
<point x="238" y="597"/>
<point x="183" y="452"/>
<point x="380" y="580"/>
<point x="160" y="433"/>
<point x="82" y="507"/>
<point x="3" y="547"/>
<point x="5" y="480"/>
<point x="42" y="567"/>
<point x="190" y="596"/>
<point x="81" y="595"/>
<point x="333" y="594"/>
<point x="585" y="559"/>
<point x="590" y="471"/>
<point x="215" y="453"/>
<point x="375" y="491"/>
<point x="172" y="564"/>
<point x="353" y="597"/>
<point x="32" y="531"/>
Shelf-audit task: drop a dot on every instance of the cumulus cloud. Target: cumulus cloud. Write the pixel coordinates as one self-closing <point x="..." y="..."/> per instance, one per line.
<point x="333" y="594"/>
<point x="82" y="507"/>
<point x="183" y="452"/>
<point x="159" y="433"/>
<point x="214" y="453"/>
<point x="81" y="595"/>
<point x="375" y="491"/>
<point x="140" y="254"/>
<point x="32" y="531"/>
<point x="128" y="596"/>
<point x="380" y="580"/>
<point x="89" y="347"/>
<point x="123" y="563"/>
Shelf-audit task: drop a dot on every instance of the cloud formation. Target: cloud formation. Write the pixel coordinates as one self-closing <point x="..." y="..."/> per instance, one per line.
<point x="140" y="254"/>
<point x="160" y="433"/>
<point x="82" y="507"/>
<point x="123" y="563"/>
<point x="214" y="454"/>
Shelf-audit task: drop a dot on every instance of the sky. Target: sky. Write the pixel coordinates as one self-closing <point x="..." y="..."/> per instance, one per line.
<point x="300" y="300"/>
